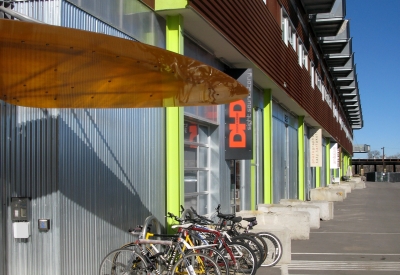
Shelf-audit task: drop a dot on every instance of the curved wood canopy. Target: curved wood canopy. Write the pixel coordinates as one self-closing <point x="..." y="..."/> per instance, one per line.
<point x="48" y="66"/>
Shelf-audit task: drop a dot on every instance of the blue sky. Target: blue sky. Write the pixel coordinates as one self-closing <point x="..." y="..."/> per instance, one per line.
<point x="375" y="29"/>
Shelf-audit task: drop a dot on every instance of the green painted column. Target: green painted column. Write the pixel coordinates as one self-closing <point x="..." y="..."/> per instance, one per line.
<point x="267" y="142"/>
<point x="328" y="161"/>
<point x="300" y="156"/>
<point x="317" y="176"/>
<point x="174" y="129"/>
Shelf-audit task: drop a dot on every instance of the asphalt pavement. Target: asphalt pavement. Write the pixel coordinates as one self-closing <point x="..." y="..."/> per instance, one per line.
<point x="362" y="238"/>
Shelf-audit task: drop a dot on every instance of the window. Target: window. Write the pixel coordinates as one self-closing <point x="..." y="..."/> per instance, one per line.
<point x="284" y="28"/>
<point x="305" y="58"/>
<point x="196" y="161"/>
<point x="288" y="31"/>
<point x="318" y="81"/>
<point x="300" y="52"/>
<point x="209" y="113"/>
<point x="312" y="74"/>
<point x="292" y="36"/>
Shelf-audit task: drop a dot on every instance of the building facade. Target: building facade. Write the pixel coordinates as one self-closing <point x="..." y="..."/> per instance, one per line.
<point x="92" y="174"/>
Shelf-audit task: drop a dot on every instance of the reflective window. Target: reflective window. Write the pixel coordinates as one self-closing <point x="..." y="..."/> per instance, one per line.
<point x="196" y="161"/>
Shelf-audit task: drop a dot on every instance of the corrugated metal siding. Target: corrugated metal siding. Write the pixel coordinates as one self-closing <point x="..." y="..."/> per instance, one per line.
<point x="280" y="165"/>
<point x="126" y="16"/>
<point x="254" y="31"/>
<point x="94" y="173"/>
<point x="73" y="17"/>
<point x="285" y="155"/>
<point x="29" y="169"/>
<point x="111" y="178"/>
<point x="45" y="11"/>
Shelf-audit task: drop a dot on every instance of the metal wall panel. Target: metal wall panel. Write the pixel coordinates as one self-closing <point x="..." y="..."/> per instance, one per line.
<point x="74" y="17"/>
<point x="126" y="16"/>
<point x="93" y="173"/>
<point x="48" y="12"/>
<point x="280" y="164"/>
<point x="112" y="176"/>
<point x="285" y="155"/>
<point x="29" y="169"/>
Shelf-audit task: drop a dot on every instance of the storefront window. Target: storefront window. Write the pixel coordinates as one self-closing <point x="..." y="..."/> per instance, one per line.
<point x="196" y="166"/>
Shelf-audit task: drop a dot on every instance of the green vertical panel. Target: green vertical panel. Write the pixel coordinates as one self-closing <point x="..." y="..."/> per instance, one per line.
<point x="317" y="176"/>
<point x="300" y="156"/>
<point x="328" y="161"/>
<point x="267" y="137"/>
<point x="174" y="129"/>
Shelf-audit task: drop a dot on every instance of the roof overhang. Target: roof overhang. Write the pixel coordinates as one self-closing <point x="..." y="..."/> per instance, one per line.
<point x="332" y="46"/>
<point x="317" y="6"/>
<point x="324" y="27"/>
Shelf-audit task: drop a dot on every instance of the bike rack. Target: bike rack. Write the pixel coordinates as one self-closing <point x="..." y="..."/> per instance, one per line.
<point x="149" y="221"/>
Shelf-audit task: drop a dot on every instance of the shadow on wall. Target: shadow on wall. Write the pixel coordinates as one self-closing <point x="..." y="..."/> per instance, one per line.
<point x="94" y="173"/>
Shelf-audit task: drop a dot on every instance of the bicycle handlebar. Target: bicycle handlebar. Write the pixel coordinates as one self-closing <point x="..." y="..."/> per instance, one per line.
<point x="201" y="217"/>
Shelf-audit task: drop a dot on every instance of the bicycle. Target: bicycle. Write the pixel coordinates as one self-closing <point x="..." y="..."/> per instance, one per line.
<point x="241" y="258"/>
<point x="143" y="256"/>
<point x="273" y="248"/>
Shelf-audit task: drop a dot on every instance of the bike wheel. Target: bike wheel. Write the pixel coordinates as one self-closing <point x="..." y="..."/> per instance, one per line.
<point x="274" y="248"/>
<point x="262" y="243"/>
<point x="217" y="257"/>
<point x="255" y="246"/>
<point x="244" y="261"/>
<point x="196" y="263"/>
<point x="123" y="261"/>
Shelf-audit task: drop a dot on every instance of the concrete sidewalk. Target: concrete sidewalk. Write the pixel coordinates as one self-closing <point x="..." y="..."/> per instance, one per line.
<point x="363" y="238"/>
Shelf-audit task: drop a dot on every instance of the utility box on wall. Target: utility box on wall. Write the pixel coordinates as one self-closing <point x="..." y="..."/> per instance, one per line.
<point x="22" y="230"/>
<point x="20" y="209"/>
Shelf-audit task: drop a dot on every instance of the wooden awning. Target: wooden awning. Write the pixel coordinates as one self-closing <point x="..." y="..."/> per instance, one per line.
<point x="47" y="66"/>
